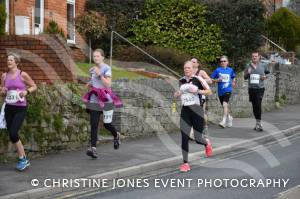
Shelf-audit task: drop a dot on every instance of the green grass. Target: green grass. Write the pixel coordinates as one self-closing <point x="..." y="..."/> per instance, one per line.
<point x="117" y="73"/>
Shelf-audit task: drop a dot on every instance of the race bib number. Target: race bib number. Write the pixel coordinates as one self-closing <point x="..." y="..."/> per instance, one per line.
<point x="13" y="97"/>
<point x="225" y="77"/>
<point x="254" y="78"/>
<point x="107" y="116"/>
<point x="189" y="99"/>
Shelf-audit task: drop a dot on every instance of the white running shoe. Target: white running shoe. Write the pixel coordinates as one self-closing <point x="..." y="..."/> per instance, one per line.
<point x="222" y="124"/>
<point x="229" y="121"/>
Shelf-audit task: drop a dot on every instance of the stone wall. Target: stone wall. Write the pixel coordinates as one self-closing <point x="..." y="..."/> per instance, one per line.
<point x="287" y="83"/>
<point x="57" y="120"/>
<point x="148" y="106"/>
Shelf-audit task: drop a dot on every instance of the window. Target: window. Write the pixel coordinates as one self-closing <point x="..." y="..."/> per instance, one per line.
<point x="39" y="16"/>
<point x="71" y="21"/>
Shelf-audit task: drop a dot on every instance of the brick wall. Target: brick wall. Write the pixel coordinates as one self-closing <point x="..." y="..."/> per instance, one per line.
<point x="45" y="58"/>
<point x="57" y="10"/>
<point x="20" y="8"/>
<point x="54" y="10"/>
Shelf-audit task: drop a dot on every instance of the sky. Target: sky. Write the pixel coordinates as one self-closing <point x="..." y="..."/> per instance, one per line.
<point x="285" y="2"/>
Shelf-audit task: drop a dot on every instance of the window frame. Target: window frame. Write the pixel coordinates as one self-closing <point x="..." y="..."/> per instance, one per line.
<point x="42" y="17"/>
<point x="72" y="2"/>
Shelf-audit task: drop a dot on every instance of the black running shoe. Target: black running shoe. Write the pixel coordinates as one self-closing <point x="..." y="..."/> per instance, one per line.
<point x="258" y="127"/>
<point x="117" y="142"/>
<point x="92" y="153"/>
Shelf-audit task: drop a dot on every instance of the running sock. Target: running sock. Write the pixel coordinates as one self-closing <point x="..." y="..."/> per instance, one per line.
<point x="224" y="118"/>
<point x="257" y="121"/>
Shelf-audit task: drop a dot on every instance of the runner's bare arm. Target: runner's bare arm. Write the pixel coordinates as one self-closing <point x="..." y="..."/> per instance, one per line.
<point x="3" y="89"/>
<point x="205" y="76"/>
<point x="29" y="82"/>
<point x="207" y="90"/>
<point x="233" y="82"/>
<point x="106" y="80"/>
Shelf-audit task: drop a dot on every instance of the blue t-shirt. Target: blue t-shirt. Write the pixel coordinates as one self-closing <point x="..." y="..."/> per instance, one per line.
<point x="227" y="74"/>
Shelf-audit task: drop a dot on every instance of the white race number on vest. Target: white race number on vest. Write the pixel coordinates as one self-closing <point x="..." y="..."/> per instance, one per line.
<point x="107" y="116"/>
<point x="188" y="99"/>
<point x="13" y="97"/>
<point x="254" y="78"/>
<point x="225" y="77"/>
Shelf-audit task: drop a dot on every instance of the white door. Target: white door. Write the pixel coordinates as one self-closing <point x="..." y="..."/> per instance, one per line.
<point x="22" y="25"/>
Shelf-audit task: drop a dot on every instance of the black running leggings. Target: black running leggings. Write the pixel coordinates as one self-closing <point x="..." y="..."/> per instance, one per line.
<point x="94" y="121"/>
<point x="14" y="116"/>
<point x="255" y="97"/>
<point x="191" y="116"/>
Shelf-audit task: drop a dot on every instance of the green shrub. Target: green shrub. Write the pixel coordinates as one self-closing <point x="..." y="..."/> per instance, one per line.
<point x="297" y="51"/>
<point x="2" y="19"/>
<point x="284" y="28"/>
<point x="120" y="15"/>
<point x="178" y="24"/>
<point x="53" y="28"/>
<point x="241" y="22"/>
<point x="91" y="24"/>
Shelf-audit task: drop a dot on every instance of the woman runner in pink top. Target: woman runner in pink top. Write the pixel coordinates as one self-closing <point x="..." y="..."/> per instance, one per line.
<point x="16" y="85"/>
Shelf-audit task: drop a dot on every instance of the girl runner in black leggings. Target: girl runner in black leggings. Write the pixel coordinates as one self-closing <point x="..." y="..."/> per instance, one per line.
<point x="100" y="99"/>
<point x="191" y="89"/>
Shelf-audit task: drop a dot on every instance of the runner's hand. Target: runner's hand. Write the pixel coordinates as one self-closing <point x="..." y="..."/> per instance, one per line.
<point x="23" y="93"/>
<point x="233" y="84"/>
<point x="88" y="85"/>
<point x="3" y="90"/>
<point x="97" y="71"/>
<point x="263" y="77"/>
<point x="193" y="89"/>
<point x="219" y="79"/>
<point x="177" y="93"/>
<point x="249" y="70"/>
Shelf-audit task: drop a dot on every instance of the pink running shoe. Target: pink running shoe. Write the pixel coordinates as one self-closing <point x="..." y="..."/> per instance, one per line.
<point x="208" y="148"/>
<point x="185" y="167"/>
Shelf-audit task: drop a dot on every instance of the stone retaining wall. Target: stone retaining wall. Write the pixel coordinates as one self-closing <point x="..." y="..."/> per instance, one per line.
<point x="57" y="119"/>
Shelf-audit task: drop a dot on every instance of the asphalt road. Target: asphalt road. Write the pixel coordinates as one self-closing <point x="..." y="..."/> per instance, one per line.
<point x="261" y="173"/>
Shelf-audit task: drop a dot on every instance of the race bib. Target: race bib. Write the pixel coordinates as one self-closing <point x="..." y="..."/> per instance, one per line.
<point x="225" y="77"/>
<point x="107" y="116"/>
<point x="188" y="99"/>
<point x="13" y="97"/>
<point x="254" y="78"/>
